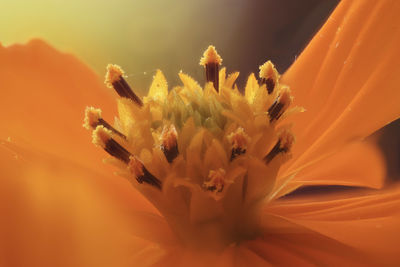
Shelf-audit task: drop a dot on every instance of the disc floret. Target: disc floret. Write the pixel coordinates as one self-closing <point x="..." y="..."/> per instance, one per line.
<point x="205" y="157"/>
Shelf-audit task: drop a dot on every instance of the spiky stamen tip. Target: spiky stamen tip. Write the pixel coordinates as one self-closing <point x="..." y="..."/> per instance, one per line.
<point x="103" y="137"/>
<point x="92" y="116"/>
<point x="210" y="56"/>
<point x="114" y="74"/>
<point x="93" y="119"/>
<point x="114" y="79"/>
<point x="211" y="61"/>
<point x="269" y="76"/>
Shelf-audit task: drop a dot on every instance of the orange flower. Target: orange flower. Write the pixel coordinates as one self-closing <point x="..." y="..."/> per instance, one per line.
<point x="61" y="206"/>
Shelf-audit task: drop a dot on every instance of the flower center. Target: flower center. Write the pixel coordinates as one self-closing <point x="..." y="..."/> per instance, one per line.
<point x="205" y="157"/>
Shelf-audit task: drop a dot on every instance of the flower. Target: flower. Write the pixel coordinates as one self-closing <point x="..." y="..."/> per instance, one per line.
<point x="206" y="158"/>
<point x="341" y="79"/>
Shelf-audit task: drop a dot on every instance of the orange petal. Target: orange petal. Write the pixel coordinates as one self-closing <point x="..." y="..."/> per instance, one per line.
<point x="285" y="243"/>
<point x="369" y="222"/>
<point x="346" y="78"/>
<point x="43" y="97"/>
<point x="277" y="254"/>
<point x="55" y="213"/>
<point x="360" y="164"/>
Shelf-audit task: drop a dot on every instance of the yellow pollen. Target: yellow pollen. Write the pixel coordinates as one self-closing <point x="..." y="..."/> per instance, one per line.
<point x="210" y="56"/>
<point x="114" y="73"/>
<point x="268" y="70"/>
<point x="101" y="135"/>
<point x="269" y="76"/>
<point x="169" y="136"/>
<point x="135" y="166"/>
<point x="92" y="116"/>
<point x="238" y="138"/>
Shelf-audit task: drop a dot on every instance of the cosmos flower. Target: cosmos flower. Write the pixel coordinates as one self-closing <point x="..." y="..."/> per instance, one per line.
<point x="210" y="165"/>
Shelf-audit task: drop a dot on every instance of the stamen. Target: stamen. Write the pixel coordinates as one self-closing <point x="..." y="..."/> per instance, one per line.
<point x="169" y="142"/>
<point x="114" y="79"/>
<point x="102" y="137"/>
<point x="239" y="140"/>
<point x="92" y="116"/>
<point x="216" y="182"/>
<point x="93" y="119"/>
<point x="269" y="76"/>
<point x="141" y="174"/>
<point x="211" y="61"/>
<point x="283" y="145"/>
<point x="280" y="105"/>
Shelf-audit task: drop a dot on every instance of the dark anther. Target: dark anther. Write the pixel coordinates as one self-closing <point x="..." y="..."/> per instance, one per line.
<point x="211" y="61"/>
<point x="124" y="90"/>
<point x="269" y="83"/>
<point x="108" y="126"/>
<point x="237" y="152"/>
<point x="213" y="188"/>
<point x="141" y="174"/>
<point x="275" y="110"/>
<point x="275" y="151"/>
<point x="212" y="74"/>
<point x="169" y="143"/>
<point x="148" y="178"/>
<point x="170" y="153"/>
<point x="116" y="150"/>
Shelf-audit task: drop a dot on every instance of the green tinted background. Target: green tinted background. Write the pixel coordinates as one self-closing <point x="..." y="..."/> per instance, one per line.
<point x="142" y="36"/>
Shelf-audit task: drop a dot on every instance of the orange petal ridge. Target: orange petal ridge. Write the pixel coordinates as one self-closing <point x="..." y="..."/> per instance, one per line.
<point x="359" y="164"/>
<point x="346" y="78"/>
<point x="365" y="220"/>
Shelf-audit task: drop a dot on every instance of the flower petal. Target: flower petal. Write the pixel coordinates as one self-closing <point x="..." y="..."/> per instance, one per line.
<point x="43" y="97"/>
<point x="368" y="222"/>
<point x="55" y="213"/>
<point x="346" y="78"/>
<point x="285" y="243"/>
<point x="359" y="164"/>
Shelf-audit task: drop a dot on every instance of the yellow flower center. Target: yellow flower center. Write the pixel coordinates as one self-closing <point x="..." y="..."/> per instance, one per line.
<point x="205" y="157"/>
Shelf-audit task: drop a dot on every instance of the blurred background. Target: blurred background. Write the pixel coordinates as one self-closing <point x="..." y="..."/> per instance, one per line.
<point x="142" y="36"/>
